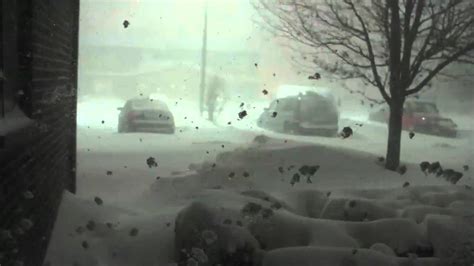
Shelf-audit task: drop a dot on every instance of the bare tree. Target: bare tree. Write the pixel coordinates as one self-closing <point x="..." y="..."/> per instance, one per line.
<point x="396" y="46"/>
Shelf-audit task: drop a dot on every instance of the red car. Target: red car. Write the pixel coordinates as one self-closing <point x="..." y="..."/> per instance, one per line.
<point x="420" y="116"/>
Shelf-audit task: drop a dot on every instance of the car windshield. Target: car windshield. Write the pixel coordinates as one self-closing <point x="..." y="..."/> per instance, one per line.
<point x="316" y="106"/>
<point x="424" y="108"/>
<point x="236" y="132"/>
<point x="148" y="104"/>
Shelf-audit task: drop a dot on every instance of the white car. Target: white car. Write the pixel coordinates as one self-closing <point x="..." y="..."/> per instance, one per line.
<point x="145" y="115"/>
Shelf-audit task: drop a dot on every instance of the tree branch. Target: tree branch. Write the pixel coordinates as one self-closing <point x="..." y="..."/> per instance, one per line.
<point x="438" y="68"/>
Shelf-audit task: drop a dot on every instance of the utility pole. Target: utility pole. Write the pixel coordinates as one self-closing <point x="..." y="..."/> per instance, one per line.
<point x="202" y="88"/>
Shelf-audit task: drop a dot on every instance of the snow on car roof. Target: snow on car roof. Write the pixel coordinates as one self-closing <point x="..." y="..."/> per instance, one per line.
<point x="293" y="90"/>
<point x="146" y="102"/>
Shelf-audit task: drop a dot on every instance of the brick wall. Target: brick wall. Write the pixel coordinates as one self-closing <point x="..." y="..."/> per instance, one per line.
<point x="41" y="164"/>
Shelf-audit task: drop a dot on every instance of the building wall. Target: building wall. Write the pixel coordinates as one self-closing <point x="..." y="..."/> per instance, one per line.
<point x="37" y="160"/>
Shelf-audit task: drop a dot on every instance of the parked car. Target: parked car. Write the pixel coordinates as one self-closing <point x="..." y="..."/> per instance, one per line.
<point x="420" y="116"/>
<point x="145" y="115"/>
<point x="308" y="113"/>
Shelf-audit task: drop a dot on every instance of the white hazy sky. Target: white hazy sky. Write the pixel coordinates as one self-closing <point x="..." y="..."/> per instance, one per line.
<point x="170" y="23"/>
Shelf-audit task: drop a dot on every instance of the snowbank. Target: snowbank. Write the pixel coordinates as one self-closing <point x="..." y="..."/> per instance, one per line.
<point x="96" y="235"/>
<point x="287" y="238"/>
<point x="245" y="205"/>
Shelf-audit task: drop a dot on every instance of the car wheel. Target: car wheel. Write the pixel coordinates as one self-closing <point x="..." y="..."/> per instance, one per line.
<point x="330" y="133"/>
<point x="453" y="134"/>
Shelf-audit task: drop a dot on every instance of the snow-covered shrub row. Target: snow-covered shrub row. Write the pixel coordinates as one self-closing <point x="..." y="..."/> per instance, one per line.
<point x="425" y="226"/>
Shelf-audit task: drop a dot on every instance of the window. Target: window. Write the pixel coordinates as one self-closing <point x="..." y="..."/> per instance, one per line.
<point x="424" y="108"/>
<point x="273" y="105"/>
<point x="316" y="105"/>
<point x="289" y="104"/>
<point x="2" y="76"/>
<point x="8" y="61"/>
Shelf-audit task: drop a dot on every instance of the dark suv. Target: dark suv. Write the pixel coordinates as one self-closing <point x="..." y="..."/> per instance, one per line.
<point x="309" y="113"/>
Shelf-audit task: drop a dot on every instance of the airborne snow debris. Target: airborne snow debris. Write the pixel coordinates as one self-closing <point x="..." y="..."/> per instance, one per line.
<point x="90" y="225"/>
<point x="295" y="179"/>
<point x="134" y="232"/>
<point x="151" y="162"/>
<point x="434" y="167"/>
<point x="80" y="230"/>
<point x="98" y="201"/>
<point x="346" y="132"/>
<point x="251" y="209"/>
<point x="315" y="76"/>
<point x="424" y="166"/>
<point x="402" y="169"/>
<point x="126" y="23"/>
<point x="280" y="169"/>
<point x="242" y="114"/>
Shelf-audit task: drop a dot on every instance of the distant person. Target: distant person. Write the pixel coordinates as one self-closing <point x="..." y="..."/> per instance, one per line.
<point x="222" y="100"/>
<point x="215" y="92"/>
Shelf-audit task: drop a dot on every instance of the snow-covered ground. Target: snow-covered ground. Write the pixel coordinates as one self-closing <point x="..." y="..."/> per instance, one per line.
<point x="124" y="212"/>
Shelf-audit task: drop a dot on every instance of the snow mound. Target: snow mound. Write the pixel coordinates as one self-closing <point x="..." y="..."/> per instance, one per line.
<point x="87" y="233"/>
<point x="327" y="256"/>
<point x="284" y="231"/>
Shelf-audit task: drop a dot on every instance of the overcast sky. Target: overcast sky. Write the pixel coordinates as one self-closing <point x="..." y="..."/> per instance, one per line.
<point x="170" y="23"/>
